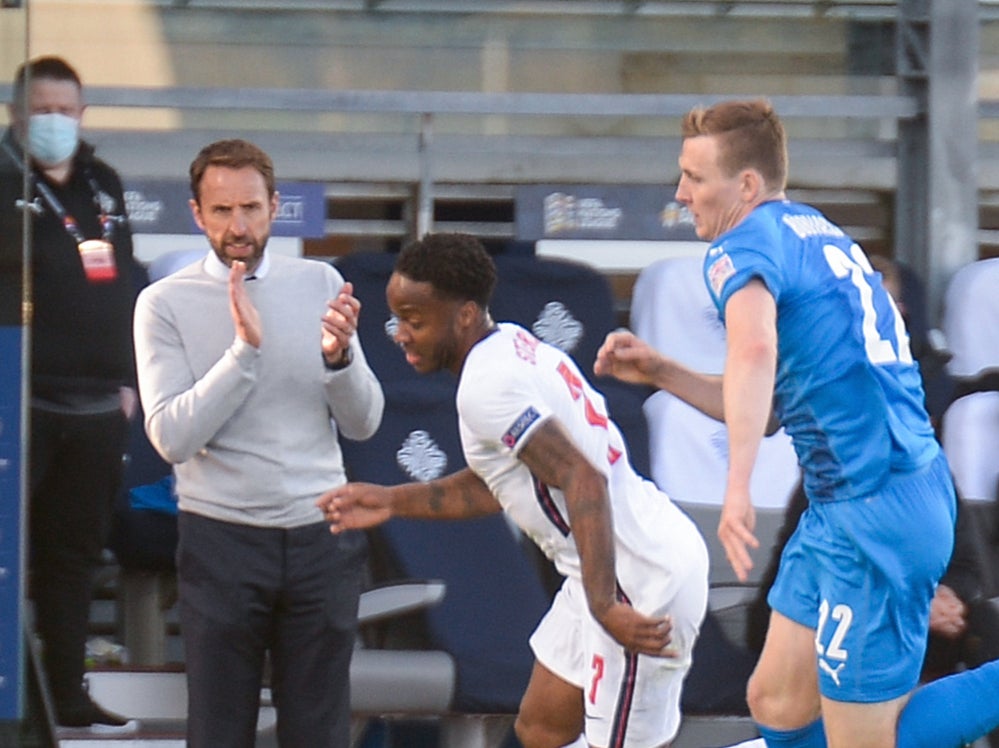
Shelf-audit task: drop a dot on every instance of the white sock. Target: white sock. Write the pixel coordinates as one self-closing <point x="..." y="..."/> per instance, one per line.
<point x="579" y="742"/>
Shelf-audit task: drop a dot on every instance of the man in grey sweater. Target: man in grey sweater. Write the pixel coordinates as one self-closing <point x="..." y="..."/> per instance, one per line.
<point x="249" y="369"/>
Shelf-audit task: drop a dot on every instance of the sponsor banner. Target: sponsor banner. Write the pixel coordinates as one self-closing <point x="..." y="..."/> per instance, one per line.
<point x="10" y="523"/>
<point x="636" y="212"/>
<point x="160" y="206"/>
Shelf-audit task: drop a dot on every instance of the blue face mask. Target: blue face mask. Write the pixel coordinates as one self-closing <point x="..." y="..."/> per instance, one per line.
<point x="52" y="138"/>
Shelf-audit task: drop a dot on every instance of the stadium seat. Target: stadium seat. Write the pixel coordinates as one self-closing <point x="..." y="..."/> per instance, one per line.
<point x="403" y="682"/>
<point x="970" y="429"/>
<point x="567" y="304"/>
<point x="571" y="306"/>
<point x="671" y="310"/>
<point x="730" y="598"/>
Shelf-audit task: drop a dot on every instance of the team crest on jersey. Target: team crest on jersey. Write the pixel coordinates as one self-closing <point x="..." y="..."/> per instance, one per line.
<point x="420" y="457"/>
<point x="720" y="271"/>
<point x="556" y="326"/>
<point x="520" y="426"/>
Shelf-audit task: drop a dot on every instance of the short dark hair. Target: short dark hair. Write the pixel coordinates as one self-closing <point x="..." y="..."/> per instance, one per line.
<point x="456" y="265"/>
<point x="231" y="154"/>
<point x="47" y="68"/>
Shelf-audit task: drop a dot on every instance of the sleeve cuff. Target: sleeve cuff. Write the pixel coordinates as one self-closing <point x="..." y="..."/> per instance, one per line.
<point x="343" y="363"/>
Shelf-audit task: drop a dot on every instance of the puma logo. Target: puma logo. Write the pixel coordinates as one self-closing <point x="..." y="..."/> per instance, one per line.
<point x="830" y="671"/>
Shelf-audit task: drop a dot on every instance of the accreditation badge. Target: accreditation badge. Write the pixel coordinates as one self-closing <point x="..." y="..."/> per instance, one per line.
<point x="97" y="256"/>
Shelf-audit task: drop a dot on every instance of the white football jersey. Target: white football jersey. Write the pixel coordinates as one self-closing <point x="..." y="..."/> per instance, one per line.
<point x="511" y="383"/>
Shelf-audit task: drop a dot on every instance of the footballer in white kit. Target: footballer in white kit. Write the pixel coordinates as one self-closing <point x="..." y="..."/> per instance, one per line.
<point x="612" y="651"/>
<point x="511" y="383"/>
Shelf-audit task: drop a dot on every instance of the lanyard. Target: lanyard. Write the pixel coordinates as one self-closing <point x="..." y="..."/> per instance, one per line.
<point x="68" y="222"/>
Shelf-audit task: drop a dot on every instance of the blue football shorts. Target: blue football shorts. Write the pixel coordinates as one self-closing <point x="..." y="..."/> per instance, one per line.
<point x="862" y="573"/>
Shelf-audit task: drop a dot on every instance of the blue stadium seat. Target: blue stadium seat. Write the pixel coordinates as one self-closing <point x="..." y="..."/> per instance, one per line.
<point x="571" y="306"/>
<point x="567" y="304"/>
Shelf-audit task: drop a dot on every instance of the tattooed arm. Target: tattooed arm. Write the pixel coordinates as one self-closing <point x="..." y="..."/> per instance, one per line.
<point x="555" y="460"/>
<point x="461" y="495"/>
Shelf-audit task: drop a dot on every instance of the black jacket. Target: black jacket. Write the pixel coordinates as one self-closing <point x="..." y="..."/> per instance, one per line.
<point x="81" y="332"/>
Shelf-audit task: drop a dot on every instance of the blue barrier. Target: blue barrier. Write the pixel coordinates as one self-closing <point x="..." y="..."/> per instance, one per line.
<point x="11" y="523"/>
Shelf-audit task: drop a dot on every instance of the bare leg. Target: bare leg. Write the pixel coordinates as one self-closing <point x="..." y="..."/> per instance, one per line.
<point x="783" y="691"/>
<point x="850" y="725"/>
<point x="551" y="711"/>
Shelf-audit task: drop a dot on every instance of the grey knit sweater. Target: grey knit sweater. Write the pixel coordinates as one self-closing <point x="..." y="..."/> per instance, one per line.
<point x="252" y="433"/>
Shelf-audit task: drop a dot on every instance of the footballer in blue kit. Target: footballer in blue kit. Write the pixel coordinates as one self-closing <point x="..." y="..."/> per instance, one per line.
<point x="815" y="344"/>
<point x="862" y="572"/>
<point x="847" y="389"/>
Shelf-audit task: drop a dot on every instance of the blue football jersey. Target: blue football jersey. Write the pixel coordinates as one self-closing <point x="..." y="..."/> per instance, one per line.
<point x="847" y="389"/>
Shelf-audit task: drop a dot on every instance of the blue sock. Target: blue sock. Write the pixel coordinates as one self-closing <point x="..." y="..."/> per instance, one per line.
<point x="809" y="736"/>
<point x="953" y="711"/>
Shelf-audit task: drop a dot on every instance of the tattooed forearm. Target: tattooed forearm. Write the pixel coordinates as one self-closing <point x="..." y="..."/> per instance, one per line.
<point x="456" y="496"/>
<point x="471" y="497"/>
<point x="435" y="501"/>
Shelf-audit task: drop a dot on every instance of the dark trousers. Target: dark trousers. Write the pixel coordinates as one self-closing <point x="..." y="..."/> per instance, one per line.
<point x="75" y="466"/>
<point x="246" y="591"/>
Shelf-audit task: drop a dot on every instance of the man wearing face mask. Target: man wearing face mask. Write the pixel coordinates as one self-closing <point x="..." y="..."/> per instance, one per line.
<point x="82" y="364"/>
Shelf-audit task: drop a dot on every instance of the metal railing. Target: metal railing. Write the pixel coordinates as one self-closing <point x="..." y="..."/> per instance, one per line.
<point x="856" y="9"/>
<point x="860" y="107"/>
